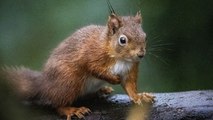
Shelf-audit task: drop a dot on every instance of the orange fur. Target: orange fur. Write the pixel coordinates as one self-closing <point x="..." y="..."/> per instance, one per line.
<point x="88" y="58"/>
<point x="129" y="84"/>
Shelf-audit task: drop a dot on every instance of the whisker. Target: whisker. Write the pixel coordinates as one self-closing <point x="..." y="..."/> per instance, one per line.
<point x="153" y="38"/>
<point x="161" y="45"/>
<point x="159" y="58"/>
<point x="159" y="49"/>
<point x="156" y="45"/>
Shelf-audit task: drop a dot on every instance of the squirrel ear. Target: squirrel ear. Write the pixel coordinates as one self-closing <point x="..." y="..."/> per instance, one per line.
<point x="138" y="17"/>
<point x="114" y="23"/>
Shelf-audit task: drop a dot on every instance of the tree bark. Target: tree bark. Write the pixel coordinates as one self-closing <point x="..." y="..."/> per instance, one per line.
<point x="190" y="105"/>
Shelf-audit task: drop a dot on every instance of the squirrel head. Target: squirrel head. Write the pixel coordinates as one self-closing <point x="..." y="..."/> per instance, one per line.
<point x="126" y="38"/>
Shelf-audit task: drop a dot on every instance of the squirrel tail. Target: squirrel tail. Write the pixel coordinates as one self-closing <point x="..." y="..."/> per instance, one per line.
<point x="24" y="81"/>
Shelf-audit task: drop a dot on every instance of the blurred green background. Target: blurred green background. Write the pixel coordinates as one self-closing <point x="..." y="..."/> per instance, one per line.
<point x="180" y="40"/>
<point x="179" y="36"/>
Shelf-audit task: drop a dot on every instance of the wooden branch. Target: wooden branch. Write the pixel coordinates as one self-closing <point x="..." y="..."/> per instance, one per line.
<point x="190" y="105"/>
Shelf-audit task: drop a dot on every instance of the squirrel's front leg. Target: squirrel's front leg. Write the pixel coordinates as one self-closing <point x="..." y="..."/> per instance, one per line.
<point x="137" y="98"/>
<point x="130" y="86"/>
<point x="104" y="74"/>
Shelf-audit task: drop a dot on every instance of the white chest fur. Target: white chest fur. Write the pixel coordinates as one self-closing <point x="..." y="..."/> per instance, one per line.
<point x="121" y="68"/>
<point x="93" y="85"/>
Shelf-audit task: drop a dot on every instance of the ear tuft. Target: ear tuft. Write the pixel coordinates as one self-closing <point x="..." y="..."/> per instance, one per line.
<point x="114" y="23"/>
<point x="138" y="17"/>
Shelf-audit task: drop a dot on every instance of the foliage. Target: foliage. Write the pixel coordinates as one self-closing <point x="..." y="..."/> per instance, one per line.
<point x="180" y="46"/>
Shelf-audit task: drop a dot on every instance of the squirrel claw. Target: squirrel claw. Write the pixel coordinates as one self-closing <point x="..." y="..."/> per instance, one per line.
<point x="143" y="98"/>
<point x="86" y="110"/>
<point x="71" y="111"/>
<point x="147" y="97"/>
<point x="106" y="90"/>
<point x="138" y="102"/>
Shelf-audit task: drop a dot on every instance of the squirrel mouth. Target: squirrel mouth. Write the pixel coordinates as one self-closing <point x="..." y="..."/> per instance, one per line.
<point x="135" y="59"/>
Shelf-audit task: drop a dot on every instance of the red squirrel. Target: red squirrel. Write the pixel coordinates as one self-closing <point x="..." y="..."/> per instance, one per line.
<point x="84" y="62"/>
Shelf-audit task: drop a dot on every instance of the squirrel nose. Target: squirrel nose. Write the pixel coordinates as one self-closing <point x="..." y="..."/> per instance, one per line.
<point x="140" y="54"/>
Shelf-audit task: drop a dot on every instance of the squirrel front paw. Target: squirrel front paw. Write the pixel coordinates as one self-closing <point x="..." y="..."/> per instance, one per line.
<point x="106" y="90"/>
<point x="116" y="80"/>
<point x="143" y="97"/>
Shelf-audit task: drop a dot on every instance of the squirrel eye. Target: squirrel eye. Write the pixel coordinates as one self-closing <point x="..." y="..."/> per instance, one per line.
<point x="122" y="40"/>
